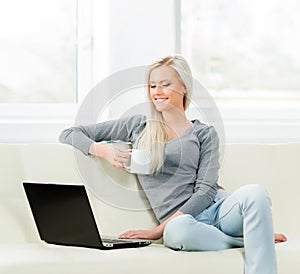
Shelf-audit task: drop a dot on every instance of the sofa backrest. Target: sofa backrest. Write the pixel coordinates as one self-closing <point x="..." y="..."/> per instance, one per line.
<point x="61" y="163"/>
<point x="274" y="166"/>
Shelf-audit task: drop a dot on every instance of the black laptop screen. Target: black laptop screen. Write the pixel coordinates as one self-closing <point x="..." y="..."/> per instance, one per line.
<point x="63" y="214"/>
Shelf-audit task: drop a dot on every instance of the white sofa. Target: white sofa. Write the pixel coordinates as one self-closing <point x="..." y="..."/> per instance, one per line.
<point x="21" y="251"/>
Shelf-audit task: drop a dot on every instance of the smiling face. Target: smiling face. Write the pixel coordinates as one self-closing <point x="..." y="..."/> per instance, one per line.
<point x="166" y="89"/>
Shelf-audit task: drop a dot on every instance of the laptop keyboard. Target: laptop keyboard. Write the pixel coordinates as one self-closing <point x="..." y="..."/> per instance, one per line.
<point x="111" y="241"/>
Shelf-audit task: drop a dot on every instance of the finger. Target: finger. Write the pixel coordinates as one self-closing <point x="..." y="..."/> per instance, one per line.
<point x="124" y="169"/>
<point x="128" y="235"/>
<point x="117" y="164"/>
<point x="121" y="159"/>
<point x="121" y="166"/>
<point x="124" y="236"/>
<point x="121" y="153"/>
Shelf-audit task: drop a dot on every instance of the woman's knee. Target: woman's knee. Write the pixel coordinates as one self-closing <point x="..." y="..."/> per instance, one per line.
<point x="255" y="194"/>
<point x="176" y="232"/>
<point x="185" y="233"/>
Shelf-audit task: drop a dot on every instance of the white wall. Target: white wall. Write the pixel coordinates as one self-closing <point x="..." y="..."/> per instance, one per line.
<point x="141" y="31"/>
<point x="136" y="33"/>
<point x="133" y="33"/>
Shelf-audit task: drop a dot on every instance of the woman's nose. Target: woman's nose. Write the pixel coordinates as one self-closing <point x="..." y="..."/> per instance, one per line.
<point x="158" y="89"/>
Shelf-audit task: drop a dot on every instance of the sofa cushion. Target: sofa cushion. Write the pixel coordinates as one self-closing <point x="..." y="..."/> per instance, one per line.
<point x="288" y="255"/>
<point x="46" y="259"/>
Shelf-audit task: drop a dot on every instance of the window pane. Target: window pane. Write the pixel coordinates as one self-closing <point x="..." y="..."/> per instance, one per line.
<point x="38" y="51"/>
<point x="243" y="45"/>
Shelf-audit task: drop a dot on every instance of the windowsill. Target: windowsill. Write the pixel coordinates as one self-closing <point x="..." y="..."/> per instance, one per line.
<point x="257" y="95"/>
<point x="30" y="123"/>
<point x="17" y="113"/>
<point x="258" y="105"/>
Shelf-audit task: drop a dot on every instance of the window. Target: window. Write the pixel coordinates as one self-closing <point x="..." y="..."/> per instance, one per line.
<point x="38" y="51"/>
<point x="243" y="45"/>
<point x="246" y="53"/>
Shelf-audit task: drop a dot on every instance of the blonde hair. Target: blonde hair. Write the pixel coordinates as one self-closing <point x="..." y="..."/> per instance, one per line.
<point x="155" y="133"/>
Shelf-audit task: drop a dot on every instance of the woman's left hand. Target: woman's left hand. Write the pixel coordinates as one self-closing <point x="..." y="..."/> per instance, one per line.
<point x="153" y="234"/>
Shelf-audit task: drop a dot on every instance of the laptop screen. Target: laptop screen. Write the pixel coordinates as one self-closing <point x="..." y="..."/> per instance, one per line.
<point x="63" y="214"/>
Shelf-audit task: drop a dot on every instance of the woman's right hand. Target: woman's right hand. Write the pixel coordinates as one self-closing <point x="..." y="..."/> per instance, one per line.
<point x="117" y="157"/>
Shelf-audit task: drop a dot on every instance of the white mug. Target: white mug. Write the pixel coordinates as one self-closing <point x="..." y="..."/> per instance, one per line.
<point x="140" y="161"/>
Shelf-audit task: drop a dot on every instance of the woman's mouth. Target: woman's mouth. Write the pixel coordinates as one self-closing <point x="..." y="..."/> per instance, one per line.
<point x="161" y="100"/>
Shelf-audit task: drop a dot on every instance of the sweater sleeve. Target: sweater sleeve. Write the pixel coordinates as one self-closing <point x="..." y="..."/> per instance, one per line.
<point x="81" y="137"/>
<point x="206" y="185"/>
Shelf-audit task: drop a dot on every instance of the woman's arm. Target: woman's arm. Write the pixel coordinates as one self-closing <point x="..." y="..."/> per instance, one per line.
<point x="206" y="183"/>
<point x="153" y="234"/>
<point x="82" y="137"/>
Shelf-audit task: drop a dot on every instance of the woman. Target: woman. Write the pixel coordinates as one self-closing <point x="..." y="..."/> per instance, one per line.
<point x="194" y="212"/>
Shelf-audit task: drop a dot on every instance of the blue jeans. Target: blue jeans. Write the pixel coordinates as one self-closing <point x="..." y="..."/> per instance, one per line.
<point x="240" y="219"/>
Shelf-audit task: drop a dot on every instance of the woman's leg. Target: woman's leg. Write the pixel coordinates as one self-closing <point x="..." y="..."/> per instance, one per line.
<point x="247" y="212"/>
<point x="186" y="233"/>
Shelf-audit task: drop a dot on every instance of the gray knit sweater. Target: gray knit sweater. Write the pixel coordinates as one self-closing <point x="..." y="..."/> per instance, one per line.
<point x="188" y="178"/>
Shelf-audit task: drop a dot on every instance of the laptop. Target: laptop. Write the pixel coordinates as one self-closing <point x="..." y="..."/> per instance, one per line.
<point x="63" y="216"/>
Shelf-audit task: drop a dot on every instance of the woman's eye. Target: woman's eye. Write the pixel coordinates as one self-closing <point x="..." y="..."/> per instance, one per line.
<point x="163" y="85"/>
